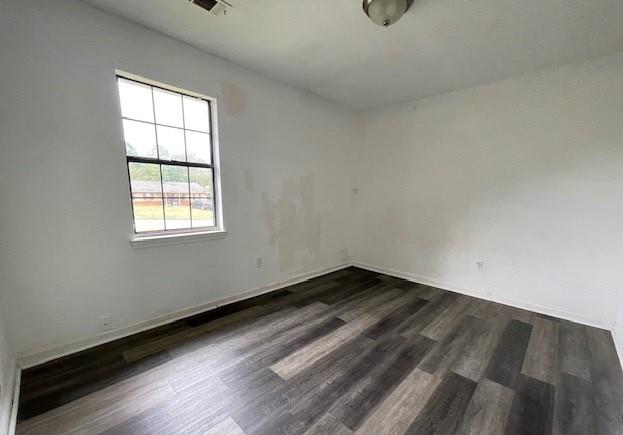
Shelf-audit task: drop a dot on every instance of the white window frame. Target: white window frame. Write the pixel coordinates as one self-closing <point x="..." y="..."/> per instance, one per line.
<point x="173" y="237"/>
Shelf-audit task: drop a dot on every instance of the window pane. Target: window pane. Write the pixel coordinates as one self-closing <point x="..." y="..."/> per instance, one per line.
<point x="201" y="182"/>
<point x="203" y="213"/>
<point x="202" y="197"/>
<point x="171" y="143"/>
<point x="177" y="213"/>
<point x="136" y="100"/>
<point x="196" y="114"/>
<point x="176" y="205"/>
<point x="140" y="139"/>
<point x="145" y="180"/>
<point x="198" y="147"/>
<point x="148" y="214"/>
<point x="175" y="181"/>
<point x="168" y="108"/>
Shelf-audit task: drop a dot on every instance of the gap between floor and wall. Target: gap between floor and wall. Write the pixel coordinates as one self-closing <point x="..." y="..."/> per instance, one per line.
<point x="13" y="395"/>
<point x="616" y="337"/>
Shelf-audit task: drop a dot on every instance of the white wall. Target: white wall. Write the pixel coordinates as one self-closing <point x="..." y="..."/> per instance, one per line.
<point x="66" y="216"/>
<point x="525" y="175"/>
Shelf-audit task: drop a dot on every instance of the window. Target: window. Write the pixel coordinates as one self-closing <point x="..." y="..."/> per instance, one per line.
<point x="170" y="153"/>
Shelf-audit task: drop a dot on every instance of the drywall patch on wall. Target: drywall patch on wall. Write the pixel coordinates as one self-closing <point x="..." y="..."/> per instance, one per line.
<point x="312" y="224"/>
<point x="234" y="99"/>
<point x="294" y="225"/>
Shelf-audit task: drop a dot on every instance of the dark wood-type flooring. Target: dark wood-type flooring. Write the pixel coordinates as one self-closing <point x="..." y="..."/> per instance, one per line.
<point x="349" y="352"/>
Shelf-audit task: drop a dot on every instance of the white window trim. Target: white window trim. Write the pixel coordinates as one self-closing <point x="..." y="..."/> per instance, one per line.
<point x="151" y="240"/>
<point x="144" y="240"/>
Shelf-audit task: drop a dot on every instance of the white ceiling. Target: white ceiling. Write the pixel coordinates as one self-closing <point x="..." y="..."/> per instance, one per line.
<point x="330" y="48"/>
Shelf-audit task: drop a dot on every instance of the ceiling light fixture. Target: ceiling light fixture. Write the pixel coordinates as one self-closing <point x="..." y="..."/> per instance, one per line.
<point x="385" y="12"/>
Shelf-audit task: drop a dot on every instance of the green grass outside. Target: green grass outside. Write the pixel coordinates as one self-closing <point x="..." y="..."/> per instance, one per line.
<point x="155" y="212"/>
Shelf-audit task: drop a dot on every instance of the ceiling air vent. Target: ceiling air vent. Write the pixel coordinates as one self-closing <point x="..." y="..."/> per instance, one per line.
<point x="217" y="7"/>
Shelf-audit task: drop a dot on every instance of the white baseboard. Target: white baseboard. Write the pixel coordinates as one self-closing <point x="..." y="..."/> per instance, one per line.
<point x="36" y="358"/>
<point x="574" y="317"/>
<point x="17" y="382"/>
<point x="51" y="353"/>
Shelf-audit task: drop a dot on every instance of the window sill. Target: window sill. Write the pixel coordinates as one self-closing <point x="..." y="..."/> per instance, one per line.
<point x="149" y="241"/>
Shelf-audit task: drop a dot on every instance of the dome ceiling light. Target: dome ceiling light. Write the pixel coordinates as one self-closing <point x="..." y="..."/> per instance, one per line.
<point x="385" y="12"/>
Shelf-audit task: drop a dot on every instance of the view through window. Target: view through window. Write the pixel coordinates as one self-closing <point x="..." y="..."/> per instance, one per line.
<point x="168" y="140"/>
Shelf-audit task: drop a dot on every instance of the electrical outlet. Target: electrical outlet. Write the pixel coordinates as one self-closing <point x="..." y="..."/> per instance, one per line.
<point x="259" y="262"/>
<point x="105" y="323"/>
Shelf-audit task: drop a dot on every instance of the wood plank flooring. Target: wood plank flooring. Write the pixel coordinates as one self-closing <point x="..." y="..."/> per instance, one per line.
<point x="351" y="352"/>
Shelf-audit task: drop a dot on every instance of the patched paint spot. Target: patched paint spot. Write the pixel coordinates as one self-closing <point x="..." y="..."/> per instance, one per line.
<point x="293" y="223"/>
<point x="234" y="99"/>
<point x="270" y="218"/>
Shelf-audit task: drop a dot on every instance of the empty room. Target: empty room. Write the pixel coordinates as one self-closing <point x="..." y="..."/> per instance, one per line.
<point x="288" y="217"/>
